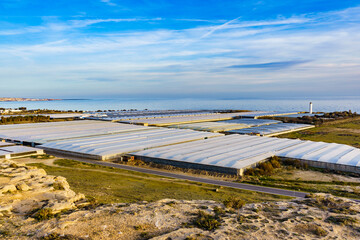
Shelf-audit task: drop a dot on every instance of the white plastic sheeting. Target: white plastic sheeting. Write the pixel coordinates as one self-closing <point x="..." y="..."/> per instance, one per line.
<point x="243" y="151"/>
<point x="266" y="114"/>
<point x="18" y="151"/>
<point x="109" y="146"/>
<point x="5" y="144"/>
<point x="185" y="119"/>
<point x="132" y="115"/>
<point x="210" y="126"/>
<point x="252" y="122"/>
<point x="273" y="129"/>
<point x="231" y="151"/>
<point x="303" y="115"/>
<point x="227" y="125"/>
<point x="45" y="132"/>
<point x="324" y="152"/>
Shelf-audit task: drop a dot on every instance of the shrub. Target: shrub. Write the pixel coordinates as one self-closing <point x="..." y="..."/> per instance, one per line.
<point x="295" y="163"/>
<point x="234" y="203"/>
<point x="312" y="229"/>
<point x="341" y="220"/>
<point x="58" y="186"/>
<point x="275" y="162"/>
<point x="219" y="211"/>
<point x="43" y="214"/>
<point x="264" y="168"/>
<point x="56" y="236"/>
<point x="206" y="221"/>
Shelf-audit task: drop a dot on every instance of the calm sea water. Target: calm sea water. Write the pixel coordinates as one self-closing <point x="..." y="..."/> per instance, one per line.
<point x="322" y="105"/>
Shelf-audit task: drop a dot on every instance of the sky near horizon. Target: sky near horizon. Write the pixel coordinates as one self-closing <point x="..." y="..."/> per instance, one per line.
<point x="174" y="49"/>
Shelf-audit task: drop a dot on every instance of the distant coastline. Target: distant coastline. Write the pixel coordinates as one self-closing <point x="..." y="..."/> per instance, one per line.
<point x="8" y="99"/>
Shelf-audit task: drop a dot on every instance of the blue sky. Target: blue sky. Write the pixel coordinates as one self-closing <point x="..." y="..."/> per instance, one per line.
<point x="158" y="48"/>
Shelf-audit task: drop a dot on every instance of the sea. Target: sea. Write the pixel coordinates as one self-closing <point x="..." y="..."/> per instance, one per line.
<point x="287" y="104"/>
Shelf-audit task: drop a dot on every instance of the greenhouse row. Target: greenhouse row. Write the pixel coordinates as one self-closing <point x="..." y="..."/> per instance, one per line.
<point x="222" y="126"/>
<point x="18" y="151"/>
<point x="234" y="153"/>
<point x="258" y="114"/>
<point x="184" y="119"/>
<point x="104" y="147"/>
<point x="272" y="129"/>
<point x="122" y="116"/>
<point x="5" y="144"/>
<point x="251" y="122"/>
<point x="210" y="126"/>
<point x="51" y="131"/>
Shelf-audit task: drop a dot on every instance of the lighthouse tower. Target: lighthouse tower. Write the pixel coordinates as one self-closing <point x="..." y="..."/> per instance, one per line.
<point x="310" y="108"/>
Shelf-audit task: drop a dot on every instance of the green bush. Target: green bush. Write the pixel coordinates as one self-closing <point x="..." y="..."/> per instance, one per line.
<point x="58" y="186"/>
<point x="22" y="119"/>
<point x="264" y="168"/>
<point x="341" y="220"/>
<point x="312" y="229"/>
<point x="235" y="203"/>
<point x="206" y="221"/>
<point x="219" y="211"/>
<point x="43" y="214"/>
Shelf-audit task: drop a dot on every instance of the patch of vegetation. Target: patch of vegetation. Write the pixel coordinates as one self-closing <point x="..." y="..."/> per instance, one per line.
<point x="328" y="203"/>
<point x="43" y="214"/>
<point x="219" y="211"/>
<point x="58" y="186"/>
<point x="171" y="203"/>
<point x="242" y="219"/>
<point x="345" y="132"/>
<point x="265" y="168"/>
<point x="43" y="156"/>
<point x="342" y="220"/>
<point x="249" y="228"/>
<point x="111" y="185"/>
<point x="279" y="178"/>
<point x="319" y="119"/>
<point x="56" y="236"/>
<point x="311" y="228"/>
<point x="235" y="203"/>
<point x="206" y="221"/>
<point x="24" y="119"/>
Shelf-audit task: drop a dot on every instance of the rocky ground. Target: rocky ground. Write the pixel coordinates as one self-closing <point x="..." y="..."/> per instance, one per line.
<point x="34" y="205"/>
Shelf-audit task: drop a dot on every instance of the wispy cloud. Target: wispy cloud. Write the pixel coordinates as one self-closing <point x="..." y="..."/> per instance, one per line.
<point x="109" y="2"/>
<point x="218" y="28"/>
<point x="318" y="48"/>
<point x="271" y="65"/>
<point x="71" y="24"/>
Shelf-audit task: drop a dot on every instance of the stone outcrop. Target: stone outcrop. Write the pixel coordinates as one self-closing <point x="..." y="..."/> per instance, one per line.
<point x="26" y="189"/>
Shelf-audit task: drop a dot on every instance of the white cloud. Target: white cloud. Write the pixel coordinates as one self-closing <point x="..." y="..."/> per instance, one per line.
<point x="108" y="2"/>
<point x="195" y="59"/>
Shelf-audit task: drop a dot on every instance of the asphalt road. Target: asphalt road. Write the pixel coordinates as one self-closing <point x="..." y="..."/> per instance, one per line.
<point x="242" y="186"/>
<point x="215" y="182"/>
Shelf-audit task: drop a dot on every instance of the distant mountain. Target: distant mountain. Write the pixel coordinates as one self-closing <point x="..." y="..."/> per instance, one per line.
<point x="8" y="99"/>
